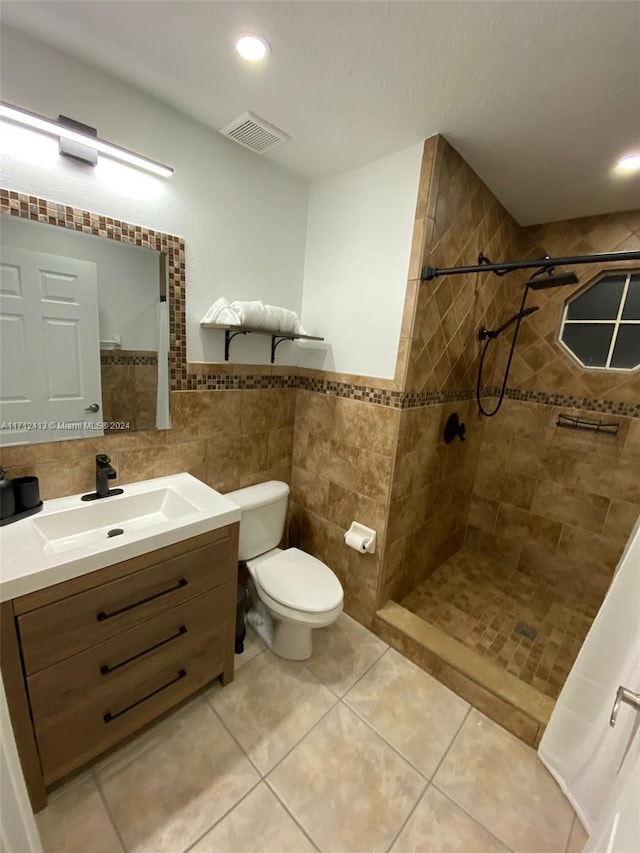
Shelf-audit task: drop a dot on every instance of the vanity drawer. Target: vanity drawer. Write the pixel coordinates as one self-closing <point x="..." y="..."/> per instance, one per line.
<point x="64" y="628"/>
<point x="83" y="732"/>
<point x="147" y="648"/>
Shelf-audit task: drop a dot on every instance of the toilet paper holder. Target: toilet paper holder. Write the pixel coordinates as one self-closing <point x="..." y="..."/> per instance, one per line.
<point x="361" y="538"/>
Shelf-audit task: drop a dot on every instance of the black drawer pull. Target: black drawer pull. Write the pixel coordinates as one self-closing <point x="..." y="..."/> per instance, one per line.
<point x="109" y="717"/>
<point x="102" y="615"/>
<point x="105" y="669"/>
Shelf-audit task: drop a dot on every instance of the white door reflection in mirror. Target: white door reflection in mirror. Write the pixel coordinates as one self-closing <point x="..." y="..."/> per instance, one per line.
<point x="49" y="348"/>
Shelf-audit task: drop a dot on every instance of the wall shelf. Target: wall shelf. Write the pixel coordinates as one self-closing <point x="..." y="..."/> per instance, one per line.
<point x="230" y="333"/>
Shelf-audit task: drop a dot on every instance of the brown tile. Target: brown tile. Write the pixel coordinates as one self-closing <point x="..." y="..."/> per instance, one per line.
<point x="505" y="486"/>
<point x="189" y="457"/>
<point x="332" y="459"/>
<point x="345" y="506"/>
<point x="366" y="425"/>
<point x="493" y="545"/>
<point x="482" y="513"/>
<point x="620" y="520"/>
<point x="570" y="506"/>
<point x="204" y="414"/>
<point x="590" y="548"/>
<point x="373" y="475"/>
<point x="264" y="410"/>
<point x="314" y="412"/>
<point x="31" y="454"/>
<point x="59" y="479"/>
<point x="310" y="490"/>
<point x="280" y="447"/>
<point x="235" y="457"/>
<point x="524" y="526"/>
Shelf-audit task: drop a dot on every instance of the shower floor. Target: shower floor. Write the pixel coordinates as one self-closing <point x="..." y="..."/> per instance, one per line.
<point x="479" y="603"/>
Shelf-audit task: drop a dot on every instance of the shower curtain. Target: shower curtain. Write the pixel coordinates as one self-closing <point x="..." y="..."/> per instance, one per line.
<point x="597" y="766"/>
<point x="163" y="419"/>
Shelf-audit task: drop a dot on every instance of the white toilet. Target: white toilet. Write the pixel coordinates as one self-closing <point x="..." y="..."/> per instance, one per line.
<point x="292" y="592"/>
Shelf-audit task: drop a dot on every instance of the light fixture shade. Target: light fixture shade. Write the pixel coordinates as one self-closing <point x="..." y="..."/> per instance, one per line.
<point x="54" y="128"/>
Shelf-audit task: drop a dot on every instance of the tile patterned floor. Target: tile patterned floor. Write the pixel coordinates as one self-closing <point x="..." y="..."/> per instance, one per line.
<point x="478" y="602"/>
<point x="354" y="750"/>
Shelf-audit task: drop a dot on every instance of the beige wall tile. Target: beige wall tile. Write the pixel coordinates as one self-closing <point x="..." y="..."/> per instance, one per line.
<point x="264" y="410"/>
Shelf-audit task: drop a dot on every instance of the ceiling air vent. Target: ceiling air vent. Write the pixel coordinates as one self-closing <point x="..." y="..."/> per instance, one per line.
<point x="254" y="132"/>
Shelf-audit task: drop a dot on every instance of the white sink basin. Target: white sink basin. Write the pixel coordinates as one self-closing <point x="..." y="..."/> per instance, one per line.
<point x="71" y="537"/>
<point x="91" y="525"/>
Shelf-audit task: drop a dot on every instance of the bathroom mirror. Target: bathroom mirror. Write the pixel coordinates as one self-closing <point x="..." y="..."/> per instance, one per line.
<point x="79" y="333"/>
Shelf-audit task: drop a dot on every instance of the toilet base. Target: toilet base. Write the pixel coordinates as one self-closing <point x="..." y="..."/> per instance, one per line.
<point x="285" y="639"/>
<point x="292" y="641"/>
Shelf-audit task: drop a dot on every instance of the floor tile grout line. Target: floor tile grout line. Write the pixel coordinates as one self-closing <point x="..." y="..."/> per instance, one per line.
<point x="453" y="740"/>
<point x="430" y="779"/>
<point x="232" y="736"/>
<point x="360" y="677"/>
<point x="408" y="817"/>
<point x="223" y="816"/>
<point x="108" y="811"/>
<point x="471" y="817"/>
<point x="291" y="814"/>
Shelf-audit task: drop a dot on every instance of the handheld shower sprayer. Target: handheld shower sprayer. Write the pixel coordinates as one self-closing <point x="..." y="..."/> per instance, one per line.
<point x="488" y="334"/>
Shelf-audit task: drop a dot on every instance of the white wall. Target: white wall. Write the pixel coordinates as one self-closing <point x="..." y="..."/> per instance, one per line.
<point x="128" y="277"/>
<point x="359" y="230"/>
<point x="243" y="218"/>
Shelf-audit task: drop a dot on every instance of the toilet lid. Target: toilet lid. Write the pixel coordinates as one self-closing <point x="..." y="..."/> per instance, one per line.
<point x="299" y="581"/>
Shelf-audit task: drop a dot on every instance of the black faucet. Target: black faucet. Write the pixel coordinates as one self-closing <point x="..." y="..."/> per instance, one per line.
<point x="104" y="472"/>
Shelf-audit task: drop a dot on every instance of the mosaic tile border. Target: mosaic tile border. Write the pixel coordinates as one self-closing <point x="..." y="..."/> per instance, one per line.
<point x="590" y="404"/>
<point x="31" y="207"/>
<point x="36" y="209"/>
<point x="128" y="357"/>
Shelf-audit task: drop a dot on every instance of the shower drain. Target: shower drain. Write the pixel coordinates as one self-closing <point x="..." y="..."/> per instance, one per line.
<point x="526" y="630"/>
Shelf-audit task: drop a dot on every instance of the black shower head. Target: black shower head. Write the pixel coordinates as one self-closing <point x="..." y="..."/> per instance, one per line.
<point x="551" y="280"/>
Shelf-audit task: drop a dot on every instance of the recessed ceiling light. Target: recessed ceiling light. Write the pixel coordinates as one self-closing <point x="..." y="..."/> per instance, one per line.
<point x="252" y="48"/>
<point x="629" y="163"/>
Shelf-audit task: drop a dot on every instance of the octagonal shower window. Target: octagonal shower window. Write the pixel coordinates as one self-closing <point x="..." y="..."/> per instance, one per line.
<point x="601" y="325"/>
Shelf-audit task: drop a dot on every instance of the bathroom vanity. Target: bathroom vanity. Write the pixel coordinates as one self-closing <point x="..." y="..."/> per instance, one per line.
<point x="90" y="659"/>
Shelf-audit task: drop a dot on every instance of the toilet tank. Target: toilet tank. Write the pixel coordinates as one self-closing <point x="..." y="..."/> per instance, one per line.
<point x="264" y="512"/>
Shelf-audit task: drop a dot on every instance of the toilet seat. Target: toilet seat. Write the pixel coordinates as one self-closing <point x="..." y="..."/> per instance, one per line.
<point x="299" y="581"/>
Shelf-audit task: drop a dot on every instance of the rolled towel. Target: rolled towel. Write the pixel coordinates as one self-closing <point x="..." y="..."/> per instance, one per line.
<point x="221" y="312"/>
<point x="249" y="313"/>
<point x="254" y="314"/>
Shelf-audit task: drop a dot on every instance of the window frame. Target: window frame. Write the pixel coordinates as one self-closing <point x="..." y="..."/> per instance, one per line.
<point x="616" y="323"/>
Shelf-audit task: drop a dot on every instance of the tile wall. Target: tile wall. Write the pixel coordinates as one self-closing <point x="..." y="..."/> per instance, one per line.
<point x="372" y="450"/>
<point x="129" y="380"/>
<point x="559" y="504"/>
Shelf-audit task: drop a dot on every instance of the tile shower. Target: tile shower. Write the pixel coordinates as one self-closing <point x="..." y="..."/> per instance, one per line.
<point x="523" y="522"/>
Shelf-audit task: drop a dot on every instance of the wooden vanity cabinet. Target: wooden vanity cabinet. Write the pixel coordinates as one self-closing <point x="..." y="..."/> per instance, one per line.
<point x="89" y="661"/>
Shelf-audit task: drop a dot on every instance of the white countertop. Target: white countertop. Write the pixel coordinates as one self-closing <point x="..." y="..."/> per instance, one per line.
<point x="28" y="563"/>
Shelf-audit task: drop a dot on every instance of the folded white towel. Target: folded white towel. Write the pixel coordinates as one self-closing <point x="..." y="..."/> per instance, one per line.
<point x="254" y="314"/>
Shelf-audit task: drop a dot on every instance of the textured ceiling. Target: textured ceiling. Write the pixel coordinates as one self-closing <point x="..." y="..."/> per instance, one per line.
<point x="541" y="98"/>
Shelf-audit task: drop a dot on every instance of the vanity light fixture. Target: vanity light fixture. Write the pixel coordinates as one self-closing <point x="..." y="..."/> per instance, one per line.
<point x="84" y="141"/>
<point x="253" y="48"/>
<point x="629" y="164"/>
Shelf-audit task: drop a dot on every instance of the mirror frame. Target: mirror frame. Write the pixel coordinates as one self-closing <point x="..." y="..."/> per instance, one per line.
<point x="171" y="248"/>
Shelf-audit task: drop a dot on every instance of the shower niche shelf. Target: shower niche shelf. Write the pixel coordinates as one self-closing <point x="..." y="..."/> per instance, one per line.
<point x="570" y="422"/>
<point x="230" y="332"/>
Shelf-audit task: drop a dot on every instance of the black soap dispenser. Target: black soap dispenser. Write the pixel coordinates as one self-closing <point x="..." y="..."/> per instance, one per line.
<point x="7" y="499"/>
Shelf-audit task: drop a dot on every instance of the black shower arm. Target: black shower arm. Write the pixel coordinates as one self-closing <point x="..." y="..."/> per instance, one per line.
<point x="429" y="273"/>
